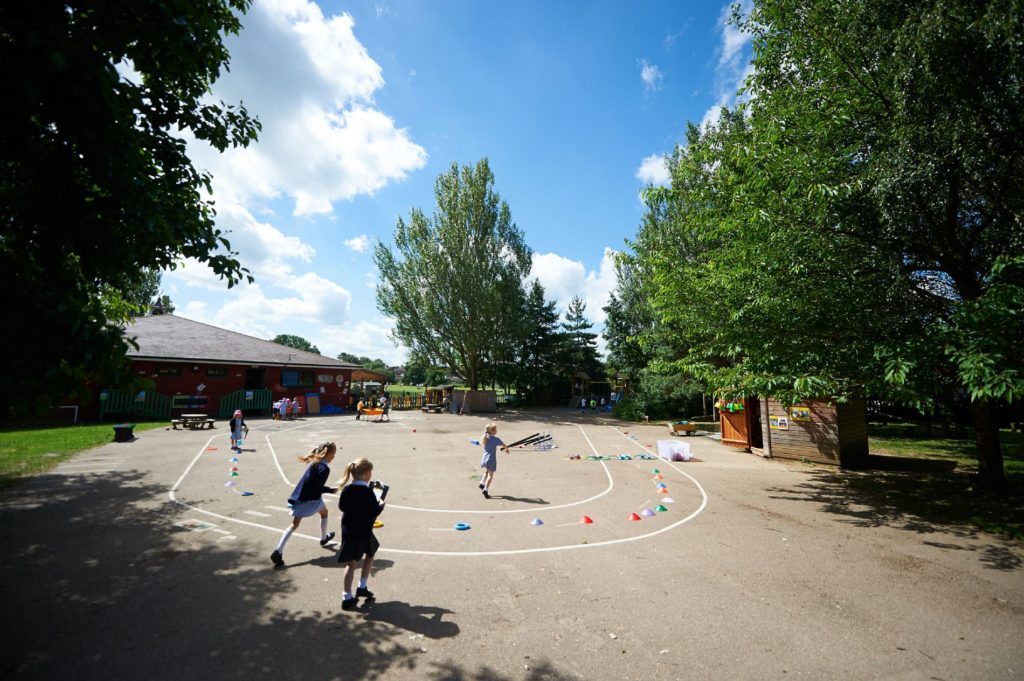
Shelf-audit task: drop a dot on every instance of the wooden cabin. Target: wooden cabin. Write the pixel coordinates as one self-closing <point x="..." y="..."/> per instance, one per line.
<point x="816" y="430"/>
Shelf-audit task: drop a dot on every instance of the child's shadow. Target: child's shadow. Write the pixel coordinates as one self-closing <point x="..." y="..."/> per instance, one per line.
<point x="330" y="560"/>
<point x="420" y="619"/>
<point x="525" y="500"/>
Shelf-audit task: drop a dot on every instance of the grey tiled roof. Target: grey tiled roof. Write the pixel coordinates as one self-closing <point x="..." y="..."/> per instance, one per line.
<point x="178" y="339"/>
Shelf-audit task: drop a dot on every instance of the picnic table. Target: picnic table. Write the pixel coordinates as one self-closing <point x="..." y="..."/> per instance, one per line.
<point x="192" y="421"/>
<point x="378" y="412"/>
<point x="435" y="408"/>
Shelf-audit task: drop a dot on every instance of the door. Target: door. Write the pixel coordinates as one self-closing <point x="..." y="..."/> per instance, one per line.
<point x="255" y="379"/>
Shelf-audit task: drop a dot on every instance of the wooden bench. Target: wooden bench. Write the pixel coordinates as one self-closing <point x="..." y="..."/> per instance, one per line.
<point x="433" y="408"/>
<point x="124" y="432"/>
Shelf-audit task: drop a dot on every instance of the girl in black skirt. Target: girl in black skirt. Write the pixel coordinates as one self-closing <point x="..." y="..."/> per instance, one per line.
<point x="359" y="509"/>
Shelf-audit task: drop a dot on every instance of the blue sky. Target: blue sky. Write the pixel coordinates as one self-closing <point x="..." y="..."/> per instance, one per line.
<point x="364" y="104"/>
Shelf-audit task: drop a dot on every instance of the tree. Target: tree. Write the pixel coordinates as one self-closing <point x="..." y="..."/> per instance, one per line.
<point x="147" y="296"/>
<point x="297" y="342"/>
<point x="538" y="371"/>
<point x="580" y="342"/>
<point x="95" y="186"/>
<point x="456" y="274"/>
<point x="858" y="223"/>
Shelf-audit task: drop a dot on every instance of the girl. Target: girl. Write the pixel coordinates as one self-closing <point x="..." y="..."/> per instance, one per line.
<point x="237" y="427"/>
<point x="359" y="508"/>
<point x="305" y="499"/>
<point x="489" y="462"/>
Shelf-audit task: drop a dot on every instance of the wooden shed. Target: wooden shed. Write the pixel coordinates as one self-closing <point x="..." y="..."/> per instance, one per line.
<point x="741" y="422"/>
<point x="816" y="430"/>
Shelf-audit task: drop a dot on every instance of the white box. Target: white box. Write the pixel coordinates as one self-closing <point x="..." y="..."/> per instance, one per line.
<point x="673" y="450"/>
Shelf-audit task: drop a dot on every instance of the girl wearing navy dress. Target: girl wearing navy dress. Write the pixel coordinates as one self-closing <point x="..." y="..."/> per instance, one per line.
<point x="489" y="461"/>
<point x="359" y="509"/>
<point x="306" y="498"/>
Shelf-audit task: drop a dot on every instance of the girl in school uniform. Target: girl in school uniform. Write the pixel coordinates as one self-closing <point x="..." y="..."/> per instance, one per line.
<point x="306" y="498"/>
<point x="489" y="461"/>
<point x="237" y="427"/>
<point x="359" y="509"/>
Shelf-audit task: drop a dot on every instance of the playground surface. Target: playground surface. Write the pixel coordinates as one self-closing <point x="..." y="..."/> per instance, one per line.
<point x="149" y="560"/>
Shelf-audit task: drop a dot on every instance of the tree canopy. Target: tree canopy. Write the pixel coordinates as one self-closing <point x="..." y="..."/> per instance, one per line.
<point x="454" y="283"/>
<point x="95" y="187"/>
<point x="857" y="225"/>
<point x="297" y="342"/>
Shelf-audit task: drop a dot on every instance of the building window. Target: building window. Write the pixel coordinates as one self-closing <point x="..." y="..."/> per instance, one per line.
<point x="168" y="371"/>
<point x="219" y="372"/>
<point x="297" y="379"/>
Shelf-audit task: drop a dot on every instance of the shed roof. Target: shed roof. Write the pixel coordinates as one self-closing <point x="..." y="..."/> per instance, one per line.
<point x="172" y="338"/>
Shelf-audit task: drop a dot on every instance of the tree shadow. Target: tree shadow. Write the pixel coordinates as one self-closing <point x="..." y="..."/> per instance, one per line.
<point x="926" y="500"/>
<point x="106" y="578"/>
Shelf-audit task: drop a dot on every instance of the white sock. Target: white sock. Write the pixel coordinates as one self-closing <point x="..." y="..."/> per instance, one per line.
<point x="284" y="538"/>
<point x="347" y="596"/>
<point x="362" y="583"/>
<point x="323" y="527"/>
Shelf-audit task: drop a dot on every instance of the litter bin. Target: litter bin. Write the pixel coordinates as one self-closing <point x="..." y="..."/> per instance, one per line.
<point x="673" y="450"/>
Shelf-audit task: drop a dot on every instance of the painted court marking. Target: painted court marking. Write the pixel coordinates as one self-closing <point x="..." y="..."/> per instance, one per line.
<point x="172" y="494"/>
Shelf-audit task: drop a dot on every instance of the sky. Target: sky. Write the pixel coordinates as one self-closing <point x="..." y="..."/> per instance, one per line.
<point x="574" y="103"/>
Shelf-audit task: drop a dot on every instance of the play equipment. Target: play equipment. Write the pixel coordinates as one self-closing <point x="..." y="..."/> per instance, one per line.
<point x="685" y="427"/>
<point x="461" y="526"/>
<point x="536" y="521"/>
<point x="377" y="524"/>
<point x="660" y="509"/>
<point x="634" y="516"/>
<point x="539" y="441"/>
<point x="647" y="513"/>
<point x="586" y="520"/>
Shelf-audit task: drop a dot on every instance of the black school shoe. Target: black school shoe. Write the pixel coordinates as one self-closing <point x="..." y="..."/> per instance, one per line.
<point x="350" y="604"/>
<point x="329" y="537"/>
<point x="486" y="495"/>
<point x="276" y="558"/>
<point x="363" y="592"/>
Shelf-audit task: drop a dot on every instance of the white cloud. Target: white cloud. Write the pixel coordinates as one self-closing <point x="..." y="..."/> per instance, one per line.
<point x="563" y="279"/>
<point x="365" y="339"/>
<point x="359" y="244"/>
<point x="734" y="63"/>
<point x="650" y="74"/>
<point x="653" y="170"/>
<point x="311" y="83"/>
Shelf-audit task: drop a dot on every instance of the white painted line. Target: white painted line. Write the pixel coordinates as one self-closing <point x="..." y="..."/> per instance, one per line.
<point x="228" y="538"/>
<point x="279" y="508"/>
<point x="704" y="501"/>
<point x="219" y="531"/>
<point x="258" y="514"/>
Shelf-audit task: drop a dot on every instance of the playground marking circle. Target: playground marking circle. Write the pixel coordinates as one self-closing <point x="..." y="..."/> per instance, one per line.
<point x="172" y="494"/>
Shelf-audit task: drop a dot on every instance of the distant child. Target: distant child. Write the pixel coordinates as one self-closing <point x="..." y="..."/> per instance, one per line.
<point x="237" y="427"/>
<point x="489" y="462"/>
<point x="359" y="509"/>
<point x="359" y="408"/>
<point x="277" y="410"/>
<point x="285" y="403"/>
<point x="306" y="498"/>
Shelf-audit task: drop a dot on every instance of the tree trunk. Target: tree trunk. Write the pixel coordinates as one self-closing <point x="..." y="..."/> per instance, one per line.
<point x="986" y="436"/>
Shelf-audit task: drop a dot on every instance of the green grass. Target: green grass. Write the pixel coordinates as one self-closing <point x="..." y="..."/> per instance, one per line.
<point x="29" y="451"/>
<point x="939" y="497"/>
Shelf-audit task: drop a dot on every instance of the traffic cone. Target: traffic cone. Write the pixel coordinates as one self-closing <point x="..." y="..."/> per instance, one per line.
<point x="586" y="520"/>
<point x="634" y="516"/>
<point x="647" y="513"/>
<point x="660" y="509"/>
<point x="663" y="490"/>
<point x="536" y="521"/>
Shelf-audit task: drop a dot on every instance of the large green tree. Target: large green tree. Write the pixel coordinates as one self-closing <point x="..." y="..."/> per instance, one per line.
<point x="293" y="341"/>
<point x="456" y="274"/>
<point x="858" y="224"/>
<point x="95" y="187"/>
<point x="580" y="343"/>
<point x="539" y="373"/>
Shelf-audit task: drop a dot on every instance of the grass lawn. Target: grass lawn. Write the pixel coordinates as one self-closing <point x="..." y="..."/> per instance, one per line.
<point x="946" y="497"/>
<point x="29" y="451"/>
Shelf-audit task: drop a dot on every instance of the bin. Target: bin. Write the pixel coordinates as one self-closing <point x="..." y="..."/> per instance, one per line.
<point x="673" y="450"/>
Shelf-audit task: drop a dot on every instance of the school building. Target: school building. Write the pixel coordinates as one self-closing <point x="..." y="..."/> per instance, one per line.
<point x="196" y="367"/>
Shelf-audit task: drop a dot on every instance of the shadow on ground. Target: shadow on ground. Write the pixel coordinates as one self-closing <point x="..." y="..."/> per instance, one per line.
<point x="99" y="583"/>
<point x="927" y="499"/>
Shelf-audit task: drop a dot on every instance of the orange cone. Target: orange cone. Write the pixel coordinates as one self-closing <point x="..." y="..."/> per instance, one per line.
<point x="663" y="490"/>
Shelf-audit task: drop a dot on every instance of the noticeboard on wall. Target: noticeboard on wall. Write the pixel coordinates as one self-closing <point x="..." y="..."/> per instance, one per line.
<point x="778" y="423"/>
<point x="800" y="412"/>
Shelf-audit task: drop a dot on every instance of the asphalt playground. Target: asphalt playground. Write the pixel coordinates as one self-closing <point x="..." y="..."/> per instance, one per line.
<point x="591" y="560"/>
